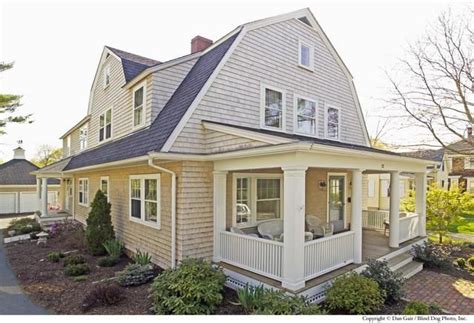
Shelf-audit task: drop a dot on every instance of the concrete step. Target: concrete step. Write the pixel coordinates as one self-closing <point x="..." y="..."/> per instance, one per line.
<point x="400" y="261"/>
<point x="410" y="269"/>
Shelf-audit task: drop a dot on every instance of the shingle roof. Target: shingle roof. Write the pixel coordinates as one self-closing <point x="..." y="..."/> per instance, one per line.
<point x="429" y="154"/>
<point x="17" y="172"/>
<point x="133" y="64"/>
<point x="154" y="137"/>
<point x="461" y="146"/>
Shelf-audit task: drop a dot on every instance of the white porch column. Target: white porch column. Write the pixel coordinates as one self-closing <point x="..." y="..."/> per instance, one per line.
<point x="38" y="194"/>
<point x="294" y="181"/>
<point x="220" y="184"/>
<point x="356" y="220"/>
<point x="394" y="209"/>
<point x="44" y="196"/>
<point x="420" y="189"/>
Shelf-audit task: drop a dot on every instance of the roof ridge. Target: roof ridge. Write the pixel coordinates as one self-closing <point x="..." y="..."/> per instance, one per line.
<point x="121" y="52"/>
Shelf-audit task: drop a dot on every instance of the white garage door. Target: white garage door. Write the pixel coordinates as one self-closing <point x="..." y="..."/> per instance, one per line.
<point x="28" y="202"/>
<point x="7" y="203"/>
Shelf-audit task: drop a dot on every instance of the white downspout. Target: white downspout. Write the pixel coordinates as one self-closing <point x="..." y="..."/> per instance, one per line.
<point x="173" y="208"/>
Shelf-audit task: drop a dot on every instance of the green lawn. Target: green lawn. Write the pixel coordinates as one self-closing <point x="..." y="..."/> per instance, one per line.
<point x="464" y="225"/>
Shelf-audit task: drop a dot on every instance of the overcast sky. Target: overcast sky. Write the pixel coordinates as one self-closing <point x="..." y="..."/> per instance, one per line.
<point x="56" y="47"/>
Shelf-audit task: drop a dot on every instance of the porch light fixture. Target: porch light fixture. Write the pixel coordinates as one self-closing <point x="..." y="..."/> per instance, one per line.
<point x="322" y="184"/>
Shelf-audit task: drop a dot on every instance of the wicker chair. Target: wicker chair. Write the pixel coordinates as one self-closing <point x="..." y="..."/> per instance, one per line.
<point x="317" y="227"/>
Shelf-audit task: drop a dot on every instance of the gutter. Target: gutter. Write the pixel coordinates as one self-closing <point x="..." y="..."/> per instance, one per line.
<point x="173" y="208"/>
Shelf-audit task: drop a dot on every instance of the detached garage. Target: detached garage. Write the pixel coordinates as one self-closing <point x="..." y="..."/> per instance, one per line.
<point x="18" y="186"/>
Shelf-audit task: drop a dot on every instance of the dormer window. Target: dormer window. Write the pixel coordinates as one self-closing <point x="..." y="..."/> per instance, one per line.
<point x="106" y="76"/>
<point x="83" y="138"/>
<point x="105" y="125"/>
<point x="333" y="120"/>
<point x="272" y="110"/>
<point x="138" y="105"/>
<point x="305" y="55"/>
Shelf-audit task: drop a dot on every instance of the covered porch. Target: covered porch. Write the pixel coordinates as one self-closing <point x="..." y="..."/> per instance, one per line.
<point x="294" y="217"/>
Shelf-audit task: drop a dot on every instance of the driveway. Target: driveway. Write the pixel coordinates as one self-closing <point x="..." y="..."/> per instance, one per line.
<point x="12" y="298"/>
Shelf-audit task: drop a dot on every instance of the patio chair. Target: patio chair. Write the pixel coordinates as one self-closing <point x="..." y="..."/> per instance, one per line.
<point x="317" y="227"/>
<point x="271" y="229"/>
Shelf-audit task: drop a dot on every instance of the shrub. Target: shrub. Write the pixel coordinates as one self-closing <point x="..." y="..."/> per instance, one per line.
<point x="470" y="261"/>
<point x="354" y="294"/>
<point x="102" y="295"/>
<point x="416" y="308"/>
<point x="258" y="300"/>
<point x="390" y="282"/>
<point x="432" y="255"/>
<point x="108" y="261"/>
<point x="76" y="270"/>
<point x="461" y="262"/>
<point x="99" y="225"/>
<point x="18" y="224"/>
<point x="74" y="260"/>
<point x="55" y="256"/>
<point x="195" y="287"/>
<point x="135" y="274"/>
<point x="31" y="227"/>
<point x="79" y="279"/>
<point x="114" y="248"/>
<point x="141" y="258"/>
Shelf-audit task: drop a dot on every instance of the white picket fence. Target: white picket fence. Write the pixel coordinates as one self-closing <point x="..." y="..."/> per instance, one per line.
<point x="374" y="219"/>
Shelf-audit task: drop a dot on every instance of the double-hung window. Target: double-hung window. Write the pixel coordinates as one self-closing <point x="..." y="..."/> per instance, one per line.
<point x="333" y="121"/>
<point x="273" y="108"/>
<point x="104" y="186"/>
<point x="138" y="105"/>
<point x="84" y="191"/>
<point x="257" y="198"/>
<point x="105" y="125"/>
<point x="145" y="199"/>
<point x="305" y="118"/>
<point x="305" y="55"/>
<point x="83" y="138"/>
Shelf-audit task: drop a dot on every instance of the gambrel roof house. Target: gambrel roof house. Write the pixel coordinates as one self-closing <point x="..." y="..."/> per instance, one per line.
<point x="251" y="151"/>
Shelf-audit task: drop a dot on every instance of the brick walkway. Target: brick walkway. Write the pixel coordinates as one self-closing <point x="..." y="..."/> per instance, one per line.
<point x="453" y="294"/>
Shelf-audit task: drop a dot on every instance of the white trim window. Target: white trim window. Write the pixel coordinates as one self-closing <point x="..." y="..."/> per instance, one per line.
<point x="305" y="116"/>
<point x="83" y="191"/>
<point x="83" y="137"/>
<point x="272" y="108"/>
<point x="257" y="197"/>
<point x="333" y="123"/>
<point x="105" y="125"/>
<point x="145" y="199"/>
<point x="105" y="187"/>
<point x="139" y="97"/>
<point x="106" y="76"/>
<point x="305" y="55"/>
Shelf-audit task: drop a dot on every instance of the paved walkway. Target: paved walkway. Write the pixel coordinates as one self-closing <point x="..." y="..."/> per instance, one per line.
<point x="12" y="298"/>
<point x="455" y="295"/>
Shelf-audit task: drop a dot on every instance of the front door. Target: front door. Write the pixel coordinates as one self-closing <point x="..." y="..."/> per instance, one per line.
<point x="336" y="201"/>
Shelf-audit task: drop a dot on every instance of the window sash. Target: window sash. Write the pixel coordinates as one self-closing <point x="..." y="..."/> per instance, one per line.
<point x="305" y="55"/>
<point x="332" y="123"/>
<point x="83" y="138"/>
<point x="273" y="108"/>
<point x="83" y="191"/>
<point x="138" y="104"/>
<point x="306" y="111"/>
<point x="105" y="125"/>
<point x="145" y="199"/>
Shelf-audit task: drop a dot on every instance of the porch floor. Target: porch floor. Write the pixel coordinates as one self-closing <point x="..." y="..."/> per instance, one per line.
<point x="374" y="246"/>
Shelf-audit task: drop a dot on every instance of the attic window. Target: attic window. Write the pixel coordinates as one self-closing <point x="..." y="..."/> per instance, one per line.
<point x="305" y="55"/>
<point x="106" y="76"/>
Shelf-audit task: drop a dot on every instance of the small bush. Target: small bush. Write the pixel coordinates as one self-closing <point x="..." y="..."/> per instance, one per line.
<point x="141" y="258"/>
<point x="470" y="261"/>
<point x="19" y="224"/>
<point x="55" y="256"/>
<point x="416" y="308"/>
<point x="114" y="248"/>
<point x="102" y="295"/>
<point x="390" y="282"/>
<point x="135" y="274"/>
<point x="79" y="279"/>
<point x="461" y="262"/>
<point x="108" y="261"/>
<point x="76" y="270"/>
<point x="258" y="300"/>
<point x="74" y="260"/>
<point x="99" y="225"/>
<point x="354" y="294"/>
<point x="432" y="255"/>
<point x="195" y="287"/>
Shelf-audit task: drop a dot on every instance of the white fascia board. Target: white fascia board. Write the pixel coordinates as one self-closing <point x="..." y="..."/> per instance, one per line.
<point x="269" y="139"/>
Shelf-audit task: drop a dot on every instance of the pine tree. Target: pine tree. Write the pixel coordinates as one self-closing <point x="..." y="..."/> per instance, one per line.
<point x="8" y="104"/>
<point x="99" y="224"/>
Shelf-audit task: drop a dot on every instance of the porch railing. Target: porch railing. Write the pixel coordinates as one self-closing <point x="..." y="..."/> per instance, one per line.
<point x="327" y="254"/>
<point x="409" y="227"/>
<point x="374" y="219"/>
<point x="261" y="256"/>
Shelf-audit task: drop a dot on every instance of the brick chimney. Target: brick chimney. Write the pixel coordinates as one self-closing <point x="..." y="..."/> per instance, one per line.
<point x="199" y="43"/>
<point x="469" y="133"/>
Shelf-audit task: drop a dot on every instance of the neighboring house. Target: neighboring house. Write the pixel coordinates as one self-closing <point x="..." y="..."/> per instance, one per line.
<point x="378" y="190"/>
<point x="246" y="151"/>
<point x="18" y="187"/>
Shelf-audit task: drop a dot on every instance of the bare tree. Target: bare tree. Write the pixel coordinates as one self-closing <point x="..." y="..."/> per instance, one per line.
<point x="46" y="155"/>
<point x="434" y="86"/>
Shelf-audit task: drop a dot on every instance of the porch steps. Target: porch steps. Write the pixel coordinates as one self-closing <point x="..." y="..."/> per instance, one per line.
<point x="410" y="269"/>
<point x="399" y="261"/>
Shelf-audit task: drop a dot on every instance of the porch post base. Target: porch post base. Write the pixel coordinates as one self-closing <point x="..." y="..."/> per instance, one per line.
<point x="293" y="286"/>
